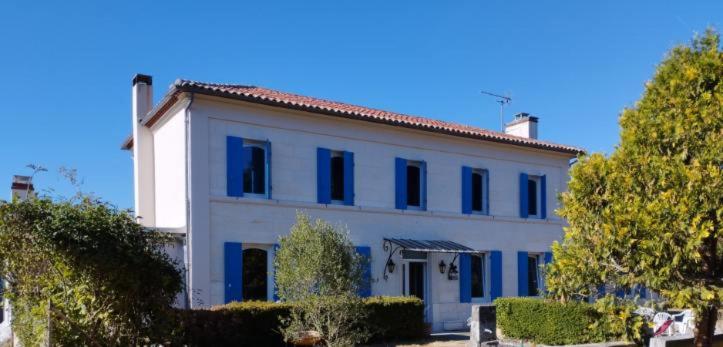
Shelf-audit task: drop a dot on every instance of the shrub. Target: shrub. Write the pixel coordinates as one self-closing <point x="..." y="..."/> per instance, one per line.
<point x="555" y="323"/>
<point x="235" y="324"/>
<point x="81" y="268"/>
<point x="395" y="318"/>
<point x="258" y="323"/>
<point x="545" y="322"/>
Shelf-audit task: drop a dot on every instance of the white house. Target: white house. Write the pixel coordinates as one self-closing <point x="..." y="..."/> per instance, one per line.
<point x="450" y="213"/>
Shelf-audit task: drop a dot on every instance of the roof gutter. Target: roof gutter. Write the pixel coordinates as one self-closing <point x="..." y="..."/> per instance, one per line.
<point x="172" y="96"/>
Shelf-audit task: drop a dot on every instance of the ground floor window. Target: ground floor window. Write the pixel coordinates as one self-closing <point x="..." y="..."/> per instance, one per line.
<point x="478" y="275"/>
<point x="254" y="276"/>
<point x="533" y="275"/>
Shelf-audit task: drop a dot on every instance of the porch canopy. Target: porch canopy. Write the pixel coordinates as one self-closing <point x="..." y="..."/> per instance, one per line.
<point x="432" y="246"/>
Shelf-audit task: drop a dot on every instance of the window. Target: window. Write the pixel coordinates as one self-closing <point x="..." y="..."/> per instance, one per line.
<point x="414" y="179"/>
<point x="334" y="177"/>
<point x="410" y="184"/>
<point x="533" y="275"/>
<point x="254" y="169"/>
<point x="254" y="274"/>
<point x="478" y="276"/>
<point x="337" y="176"/>
<point x="533" y="196"/>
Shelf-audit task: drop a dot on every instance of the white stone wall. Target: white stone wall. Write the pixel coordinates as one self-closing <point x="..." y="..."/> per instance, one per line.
<point x="294" y="136"/>
<point x="169" y="145"/>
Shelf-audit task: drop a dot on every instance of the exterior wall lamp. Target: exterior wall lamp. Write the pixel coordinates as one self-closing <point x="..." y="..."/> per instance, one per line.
<point x="442" y="267"/>
<point x="390" y="265"/>
<point x="453" y="273"/>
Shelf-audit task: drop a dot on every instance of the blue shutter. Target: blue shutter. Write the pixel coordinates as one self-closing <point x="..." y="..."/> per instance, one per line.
<point x="601" y="290"/>
<point x="522" y="274"/>
<point x="466" y="190"/>
<point x="543" y="197"/>
<point x="643" y="292"/>
<point x="496" y="275"/>
<point x="423" y="179"/>
<point x="349" y="178"/>
<point x="365" y="290"/>
<point x="268" y="169"/>
<point x="232" y="271"/>
<point x="523" y="196"/>
<point x="465" y="277"/>
<point x="234" y="166"/>
<point x="486" y="192"/>
<point x="400" y="183"/>
<point x="323" y="176"/>
<point x="548" y="257"/>
<point x="275" y="296"/>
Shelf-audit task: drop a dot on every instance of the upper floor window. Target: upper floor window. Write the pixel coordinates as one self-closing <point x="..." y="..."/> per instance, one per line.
<point x="475" y="190"/>
<point x="254" y="169"/>
<point x="533" y="196"/>
<point x="335" y="177"/>
<point x="248" y="167"/>
<point x="411" y="184"/>
<point x="414" y="184"/>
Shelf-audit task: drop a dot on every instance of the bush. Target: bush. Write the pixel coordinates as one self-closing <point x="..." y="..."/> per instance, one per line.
<point x="545" y="322"/>
<point x="555" y="323"/>
<point x="82" y="268"/>
<point x="258" y="323"/>
<point x="395" y="318"/>
<point x="253" y="323"/>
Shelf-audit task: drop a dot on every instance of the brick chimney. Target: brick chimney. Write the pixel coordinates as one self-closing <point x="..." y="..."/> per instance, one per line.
<point x="22" y="188"/>
<point x="523" y="125"/>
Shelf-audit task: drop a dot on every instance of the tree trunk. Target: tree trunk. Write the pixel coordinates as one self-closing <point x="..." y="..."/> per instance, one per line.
<point x="705" y="327"/>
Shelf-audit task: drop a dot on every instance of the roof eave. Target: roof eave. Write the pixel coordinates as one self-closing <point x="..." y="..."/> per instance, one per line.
<point x="178" y="87"/>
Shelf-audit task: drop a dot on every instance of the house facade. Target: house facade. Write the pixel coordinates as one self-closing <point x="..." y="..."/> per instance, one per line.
<point x="453" y="214"/>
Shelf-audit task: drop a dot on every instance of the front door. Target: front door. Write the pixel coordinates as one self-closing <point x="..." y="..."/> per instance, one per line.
<point x="416" y="279"/>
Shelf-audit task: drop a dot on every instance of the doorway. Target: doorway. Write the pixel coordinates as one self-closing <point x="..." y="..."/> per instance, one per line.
<point x="416" y="280"/>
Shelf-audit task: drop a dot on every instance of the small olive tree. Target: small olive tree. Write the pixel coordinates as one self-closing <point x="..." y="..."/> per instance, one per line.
<point x="319" y="271"/>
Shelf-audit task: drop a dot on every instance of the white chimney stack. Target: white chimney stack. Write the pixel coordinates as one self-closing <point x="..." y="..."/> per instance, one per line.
<point x="22" y="188"/>
<point x="143" y="170"/>
<point x="523" y="125"/>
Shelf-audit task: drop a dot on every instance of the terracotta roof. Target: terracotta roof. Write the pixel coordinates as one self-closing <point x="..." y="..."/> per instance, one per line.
<point x="315" y="105"/>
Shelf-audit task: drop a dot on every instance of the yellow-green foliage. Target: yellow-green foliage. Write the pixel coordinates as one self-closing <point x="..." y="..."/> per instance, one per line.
<point x="555" y="323"/>
<point x="650" y="213"/>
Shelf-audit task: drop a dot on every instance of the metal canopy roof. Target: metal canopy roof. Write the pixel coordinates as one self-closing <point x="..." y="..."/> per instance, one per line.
<point x="435" y="246"/>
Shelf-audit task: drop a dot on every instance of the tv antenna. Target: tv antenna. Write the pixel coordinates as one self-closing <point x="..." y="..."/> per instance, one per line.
<point x="502" y="100"/>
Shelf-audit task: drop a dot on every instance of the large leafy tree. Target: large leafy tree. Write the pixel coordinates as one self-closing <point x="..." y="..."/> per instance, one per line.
<point x="651" y="212"/>
<point x="80" y="272"/>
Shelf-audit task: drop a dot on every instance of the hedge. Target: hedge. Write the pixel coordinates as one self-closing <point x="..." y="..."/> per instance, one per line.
<point x="256" y="323"/>
<point x="396" y="318"/>
<point x="546" y="322"/>
<point x="253" y="323"/>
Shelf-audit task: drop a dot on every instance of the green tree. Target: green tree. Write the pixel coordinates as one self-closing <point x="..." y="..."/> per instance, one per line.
<point x="650" y="213"/>
<point x="319" y="271"/>
<point x="81" y="272"/>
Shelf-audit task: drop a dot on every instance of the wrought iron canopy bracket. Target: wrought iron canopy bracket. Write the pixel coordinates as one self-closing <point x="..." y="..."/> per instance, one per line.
<point x="388" y="247"/>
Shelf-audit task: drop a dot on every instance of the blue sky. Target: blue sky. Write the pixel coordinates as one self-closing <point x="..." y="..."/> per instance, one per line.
<point x="66" y="66"/>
